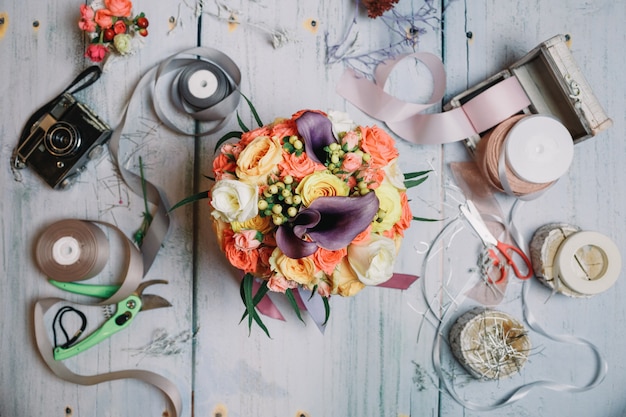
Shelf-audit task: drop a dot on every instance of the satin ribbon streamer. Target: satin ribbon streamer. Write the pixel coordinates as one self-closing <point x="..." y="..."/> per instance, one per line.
<point x="132" y="276"/>
<point x="216" y="115"/>
<point x="479" y="114"/>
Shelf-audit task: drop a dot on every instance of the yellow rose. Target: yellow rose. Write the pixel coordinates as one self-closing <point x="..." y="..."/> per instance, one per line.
<point x="259" y="159"/>
<point x="300" y="270"/>
<point x="390" y="208"/>
<point x="321" y="184"/>
<point x="344" y="280"/>
<point x="261" y="224"/>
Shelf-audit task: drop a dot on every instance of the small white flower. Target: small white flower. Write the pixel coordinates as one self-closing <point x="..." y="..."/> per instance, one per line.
<point x="234" y="200"/>
<point x="341" y="122"/>
<point x="394" y="174"/>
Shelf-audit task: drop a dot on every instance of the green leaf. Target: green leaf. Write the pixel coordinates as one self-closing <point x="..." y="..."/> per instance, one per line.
<point x="326" y="310"/>
<point x="293" y="302"/>
<point x="229" y="135"/>
<point x="423" y="219"/>
<point x="191" y="199"/>
<point x="253" y="110"/>
<point x="414" y="183"/>
<point x="250" y="304"/>
<point x="241" y="124"/>
<point x="410" y="175"/>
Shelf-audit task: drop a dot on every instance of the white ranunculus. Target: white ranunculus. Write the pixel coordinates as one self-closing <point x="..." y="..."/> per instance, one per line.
<point x="234" y="200"/>
<point x="373" y="261"/>
<point x="395" y="175"/>
<point x="341" y="122"/>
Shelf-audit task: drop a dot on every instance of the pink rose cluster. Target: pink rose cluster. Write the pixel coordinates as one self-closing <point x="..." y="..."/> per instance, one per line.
<point x="111" y="27"/>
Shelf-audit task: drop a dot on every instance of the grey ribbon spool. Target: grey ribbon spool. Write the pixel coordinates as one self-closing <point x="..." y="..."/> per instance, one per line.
<point x="202" y="85"/>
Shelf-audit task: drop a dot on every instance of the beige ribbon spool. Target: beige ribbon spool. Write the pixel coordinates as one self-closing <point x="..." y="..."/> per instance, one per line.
<point x="573" y="262"/>
<point x="489" y="344"/>
<point x="61" y="251"/>
<point x="72" y="250"/>
<point x="525" y="154"/>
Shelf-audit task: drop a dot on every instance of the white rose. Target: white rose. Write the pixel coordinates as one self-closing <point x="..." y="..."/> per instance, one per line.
<point x="394" y="174"/>
<point x="341" y="122"/>
<point x="373" y="261"/>
<point x="234" y="201"/>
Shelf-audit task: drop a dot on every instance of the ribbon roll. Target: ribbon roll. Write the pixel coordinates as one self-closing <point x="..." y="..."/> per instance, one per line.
<point x="588" y="262"/>
<point x="72" y="250"/>
<point x="190" y="71"/>
<point x="482" y="112"/>
<point x="84" y="235"/>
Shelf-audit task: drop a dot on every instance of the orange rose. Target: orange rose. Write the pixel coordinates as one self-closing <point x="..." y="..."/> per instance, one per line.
<point x="119" y="8"/>
<point x="326" y="260"/>
<point x="379" y="145"/>
<point x="249" y="136"/>
<point x="406" y="218"/>
<point x="284" y="128"/>
<point x="245" y="260"/>
<point x="298" y="166"/>
<point x="224" y="166"/>
<point x="363" y="236"/>
<point x="103" y="18"/>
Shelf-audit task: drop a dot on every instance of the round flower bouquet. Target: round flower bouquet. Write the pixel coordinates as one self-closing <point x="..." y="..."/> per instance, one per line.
<point x="110" y="28"/>
<point x="312" y="202"/>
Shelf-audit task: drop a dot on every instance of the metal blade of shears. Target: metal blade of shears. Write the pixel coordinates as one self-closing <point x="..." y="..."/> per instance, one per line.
<point x="152" y="301"/>
<point x="471" y="213"/>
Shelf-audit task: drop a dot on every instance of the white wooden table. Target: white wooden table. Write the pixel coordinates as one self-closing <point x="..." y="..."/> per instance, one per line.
<point x="375" y="356"/>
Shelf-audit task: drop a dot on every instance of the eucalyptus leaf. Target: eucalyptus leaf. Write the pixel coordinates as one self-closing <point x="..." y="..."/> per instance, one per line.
<point x="410" y="175"/>
<point x="414" y="183"/>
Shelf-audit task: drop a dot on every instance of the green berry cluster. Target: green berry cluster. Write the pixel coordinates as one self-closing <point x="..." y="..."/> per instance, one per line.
<point x="293" y="144"/>
<point x="280" y="200"/>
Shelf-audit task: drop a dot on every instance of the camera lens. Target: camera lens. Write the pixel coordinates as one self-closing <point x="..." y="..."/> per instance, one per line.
<point x="62" y="139"/>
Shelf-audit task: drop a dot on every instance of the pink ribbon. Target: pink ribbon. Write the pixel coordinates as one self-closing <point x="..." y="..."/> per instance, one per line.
<point x="486" y="110"/>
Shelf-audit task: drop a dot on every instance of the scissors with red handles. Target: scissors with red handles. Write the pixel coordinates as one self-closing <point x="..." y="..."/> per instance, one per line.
<point x="496" y="249"/>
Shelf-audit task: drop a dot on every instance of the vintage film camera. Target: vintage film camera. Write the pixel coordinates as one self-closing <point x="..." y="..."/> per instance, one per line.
<point x="555" y="86"/>
<point x="62" y="141"/>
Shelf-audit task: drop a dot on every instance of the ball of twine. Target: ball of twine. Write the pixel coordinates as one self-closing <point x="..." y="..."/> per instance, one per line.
<point x="488" y="159"/>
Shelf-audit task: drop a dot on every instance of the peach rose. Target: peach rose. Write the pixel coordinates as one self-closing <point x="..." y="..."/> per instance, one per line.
<point x="279" y="283"/>
<point x="321" y="184"/>
<point x="351" y="162"/>
<point x="344" y="280"/>
<point x="119" y="8"/>
<point x="246" y="240"/>
<point x="326" y="260"/>
<point x="258" y="160"/>
<point x="86" y="22"/>
<point x="379" y="145"/>
<point x="300" y="270"/>
<point x="103" y="18"/>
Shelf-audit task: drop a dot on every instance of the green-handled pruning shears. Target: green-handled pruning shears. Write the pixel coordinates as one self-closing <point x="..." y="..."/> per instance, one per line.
<point x="126" y="310"/>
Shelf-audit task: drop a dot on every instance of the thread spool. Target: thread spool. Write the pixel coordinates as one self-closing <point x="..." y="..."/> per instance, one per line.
<point x="573" y="262"/>
<point x="72" y="250"/>
<point x="489" y="344"/>
<point x="525" y="154"/>
<point x="203" y="85"/>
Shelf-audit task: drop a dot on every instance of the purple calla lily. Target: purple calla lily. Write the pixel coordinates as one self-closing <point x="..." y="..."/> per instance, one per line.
<point x="317" y="132"/>
<point x="329" y="222"/>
